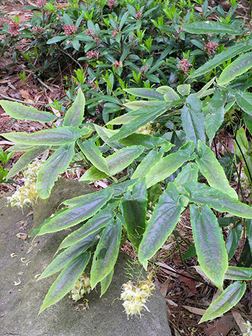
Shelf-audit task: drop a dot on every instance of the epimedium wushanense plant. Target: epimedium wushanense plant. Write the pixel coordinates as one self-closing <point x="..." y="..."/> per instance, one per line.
<point x="149" y="160"/>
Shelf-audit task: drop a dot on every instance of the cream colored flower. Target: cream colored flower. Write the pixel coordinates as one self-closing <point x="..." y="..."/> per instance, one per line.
<point x="249" y="329"/>
<point x="81" y="288"/>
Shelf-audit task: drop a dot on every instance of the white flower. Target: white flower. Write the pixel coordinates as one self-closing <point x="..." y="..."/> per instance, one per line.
<point x="81" y="288"/>
<point x="249" y="329"/>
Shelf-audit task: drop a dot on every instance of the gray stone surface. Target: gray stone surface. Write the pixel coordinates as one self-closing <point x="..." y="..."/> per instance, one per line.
<point x="21" y="295"/>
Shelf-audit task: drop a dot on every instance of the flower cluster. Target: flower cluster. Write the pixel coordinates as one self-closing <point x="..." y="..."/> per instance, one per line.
<point x="69" y="29"/>
<point x="135" y="296"/>
<point x="92" y="54"/>
<point x="211" y="47"/>
<point x="81" y="288"/>
<point x="111" y="4"/>
<point x="184" y="65"/>
<point x="27" y="193"/>
<point x="249" y="329"/>
<point x="41" y="3"/>
<point x="13" y="28"/>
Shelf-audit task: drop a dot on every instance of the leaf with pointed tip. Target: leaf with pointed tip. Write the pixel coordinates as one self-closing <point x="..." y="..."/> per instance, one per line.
<point x="55" y="136"/>
<point x="169" y="93"/>
<point x="145" y="93"/>
<point x="238" y="67"/>
<point x="239" y="273"/>
<point x="106" y="252"/>
<point x="212" y="27"/>
<point x="151" y="159"/>
<point x="209" y="244"/>
<point x="49" y="172"/>
<point x="225" y="301"/>
<point x="105" y="283"/>
<point x="25" y="159"/>
<point x="233" y="239"/>
<point x="74" y="215"/>
<point x="65" y="281"/>
<point x="162" y="223"/>
<point x="189" y="172"/>
<point x="244" y="100"/>
<point x="212" y="170"/>
<point x="22" y="112"/>
<point x="75" y="114"/>
<point x="184" y="89"/>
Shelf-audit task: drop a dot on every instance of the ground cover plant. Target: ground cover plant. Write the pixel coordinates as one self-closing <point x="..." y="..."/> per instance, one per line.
<point x="154" y="144"/>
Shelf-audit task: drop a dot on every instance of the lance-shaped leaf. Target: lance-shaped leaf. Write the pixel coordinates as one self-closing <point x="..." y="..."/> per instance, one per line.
<point x="222" y="57"/>
<point x="212" y="27"/>
<point x="238" y="67"/>
<point x="189" y="172"/>
<point x="214" y="114"/>
<point x="106" y="252"/>
<point x="76" y="214"/>
<point x="239" y="273"/>
<point x="22" y="112"/>
<point x="93" y="225"/>
<point x="168" y="93"/>
<point x="233" y="240"/>
<point x="65" y="281"/>
<point x="49" y="172"/>
<point x="94" y="155"/>
<point x="202" y="194"/>
<point x="167" y="165"/>
<point x="145" y="93"/>
<point x="74" y="115"/>
<point x="56" y="136"/>
<point x="162" y="223"/>
<point x="193" y="119"/>
<point x="209" y="244"/>
<point x="244" y="100"/>
<point x="67" y="256"/>
<point x="210" y="167"/>
<point x="151" y="159"/>
<point x="225" y="301"/>
<point x="134" y="207"/>
<point x="146" y="140"/>
<point x="25" y="159"/>
<point x="105" y="283"/>
<point x="116" y="162"/>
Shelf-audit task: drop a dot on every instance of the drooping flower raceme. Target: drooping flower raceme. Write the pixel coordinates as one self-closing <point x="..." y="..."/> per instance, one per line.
<point x="81" y="288"/>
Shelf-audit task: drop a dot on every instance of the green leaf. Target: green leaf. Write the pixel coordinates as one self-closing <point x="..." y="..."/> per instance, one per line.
<point x="167" y="165"/>
<point x="233" y="239"/>
<point x="225" y="301"/>
<point x="134" y="205"/>
<point x="67" y="256"/>
<point x="202" y="194"/>
<point x="215" y="112"/>
<point x="146" y="140"/>
<point x="77" y="213"/>
<point x="23" y="112"/>
<point x="145" y="93"/>
<point x="238" y="67"/>
<point x="209" y="244"/>
<point x="168" y="93"/>
<point x="249" y="234"/>
<point x="222" y="57"/>
<point x="193" y="119"/>
<point x="55" y="136"/>
<point x="65" y="282"/>
<point x="25" y="159"/>
<point x="162" y="223"/>
<point x="210" y="167"/>
<point x="184" y="89"/>
<point x="151" y="159"/>
<point x="56" y="39"/>
<point x="75" y="114"/>
<point x="239" y="273"/>
<point x="93" y="225"/>
<point x="106" y="252"/>
<point x="116" y="162"/>
<point x="94" y="155"/>
<point x="105" y="283"/>
<point x="211" y="27"/>
<point x="49" y="172"/>
<point x="244" y="100"/>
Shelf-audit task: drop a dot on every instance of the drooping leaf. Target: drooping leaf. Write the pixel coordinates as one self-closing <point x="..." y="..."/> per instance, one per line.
<point x="56" y="136"/>
<point x="210" y="167"/>
<point x="65" y="281"/>
<point x="167" y="165"/>
<point x="116" y="162"/>
<point x="193" y="119"/>
<point x="106" y="252"/>
<point x="238" y="67"/>
<point x="233" y="239"/>
<point x="22" y="112"/>
<point x="74" y="115"/>
<point x="147" y="163"/>
<point x="94" y="155"/>
<point x="211" y="27"/>
<point x="222" y="57"/>
<point x="77" y="213"/>
<point x="67" y="256"/>
<point x="105" y="283"/>
<point x="239" y="273"/>
<point x="162" y="223"/>
<point x="209" y="244"/>
<point x="134" y="207"/>
<point x="214" y="114"/>
<point x="49" y="172"/>
<point x="202" y="194"/>
<point x="25" y="159"/>
<point x="225" y="301"/>
<point x="244" y="100"/>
